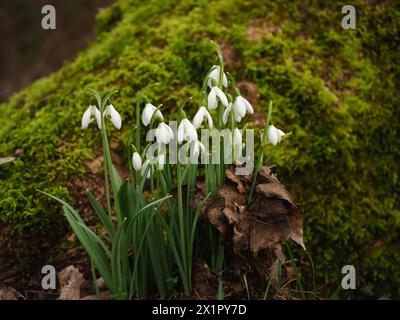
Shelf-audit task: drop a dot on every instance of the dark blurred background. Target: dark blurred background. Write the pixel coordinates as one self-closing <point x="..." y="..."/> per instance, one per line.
<point x="28" y="52"/>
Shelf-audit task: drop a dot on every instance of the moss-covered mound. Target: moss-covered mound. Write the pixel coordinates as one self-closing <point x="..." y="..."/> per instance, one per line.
<point x="336" y="90"/>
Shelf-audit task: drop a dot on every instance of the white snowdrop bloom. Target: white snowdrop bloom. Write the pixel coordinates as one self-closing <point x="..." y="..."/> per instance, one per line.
<point x="274" y="135"/>
<point x="164" y="133"/>
<point x="90" y="114"/>
<point x="199" y="117"/>
<point x="148" y="112"/>
<point x="212" y="98"/>
<point x="237" y="142"/>
<point x="225" y="115"/>
<point x="113" y="115"/>
<point x="186" y="131"/>
<point x="241" y="106"/>
<point x="195" y="149"/>
<point x="214" y="74"/>
<point x="136" y="161"/>
<point x="146" y="164"/>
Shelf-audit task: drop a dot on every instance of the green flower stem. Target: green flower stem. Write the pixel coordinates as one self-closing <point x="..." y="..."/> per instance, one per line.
<point x="106" y="160"/>
<point x="260" y="155"/>
<point x="185" y="280"/>
<point x="137" y="142"/>
<point x="221" y="167"/>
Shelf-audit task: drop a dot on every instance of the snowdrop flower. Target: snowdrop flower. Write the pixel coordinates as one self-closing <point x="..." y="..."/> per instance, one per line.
<point x="225" y="115"/>
<point x="196" y="148"/>
<point x="241" y="106"/>
<point x="186" y="131"/>
<point x="199" y="117"/>
<point x="274" y="135"/>
<point x="237" y="142"/>
<point x="164" y="133"/>
<point x="212" y="98"/>
<point x="146" y="163"/>
<point x="113" y="115"/>
<point x="90" y="114"/>
<point x="136" y="161"/>
<point x="214" y="74"/>
<point x="148" y="112"/>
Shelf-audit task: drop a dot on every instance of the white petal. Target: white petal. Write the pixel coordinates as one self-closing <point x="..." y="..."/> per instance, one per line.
<point x="159" y="134"/>
<point x="239" y="107"/>
<point x="198" y="118"/>
<point x="86" y="119"/>
<point x="237" y="137"/>
<point x="191" y="132"/>
<point x="163" y="133"/>
<point x="249" y="108"/>
<point x="272" y="135"/>
<point x="98" y="117"/>
<point x="237" y="142"/>
<point x="181" y="132"/>
<point x="147" y="113"/>
<point x="171" y="133"/>
<point x="212" y="99"/>
<point x="136" y="161"/>
<point x="159" y="115"/>
<point x="209" y="118"/>
<point x="114" y="116"/>
<point x="224" y="80"/>
<point x="226" y="113"/>
<point x="221" y="96"/>
<point x="214" y="74"/>
<point x="237" y="118"/>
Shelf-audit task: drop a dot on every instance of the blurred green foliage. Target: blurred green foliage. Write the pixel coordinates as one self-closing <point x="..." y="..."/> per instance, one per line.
<point x="336" y="90"/>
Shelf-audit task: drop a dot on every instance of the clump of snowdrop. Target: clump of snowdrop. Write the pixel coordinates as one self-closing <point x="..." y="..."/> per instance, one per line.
<point x="179" y="222"/>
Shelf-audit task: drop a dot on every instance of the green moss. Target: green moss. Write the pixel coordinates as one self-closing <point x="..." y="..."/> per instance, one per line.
<point x="335" y="89"/>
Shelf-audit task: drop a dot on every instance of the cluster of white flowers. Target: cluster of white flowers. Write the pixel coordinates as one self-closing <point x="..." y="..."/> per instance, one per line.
<point x="187" y="130"/>
<point x="93" y="113"/>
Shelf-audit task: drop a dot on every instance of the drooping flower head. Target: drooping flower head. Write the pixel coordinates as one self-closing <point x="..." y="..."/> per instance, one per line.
<point x="136" y="161"/>
<point x="199" y="117"/>
<point x="113" y="115"/>
<point x="274" y="135"/>
<point x="212" y="101"/>
<point x="90" y="115"/>
<point x="148" y="112"/>
<point x="214" y="75"/>
<point x="186" y="131"/>
<point x="164" y="133"/>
